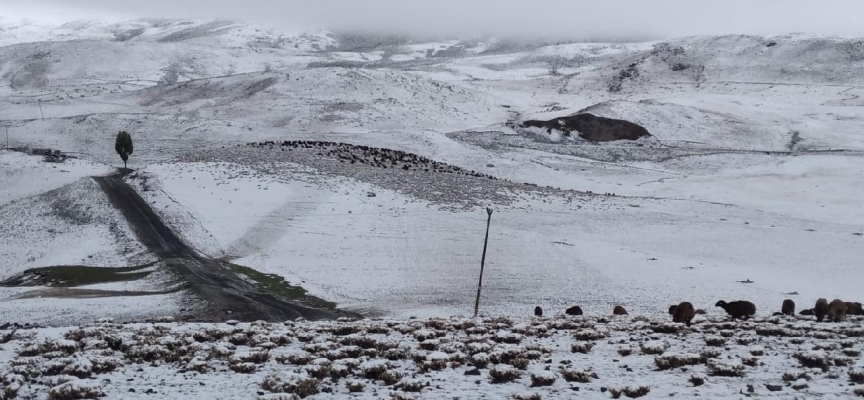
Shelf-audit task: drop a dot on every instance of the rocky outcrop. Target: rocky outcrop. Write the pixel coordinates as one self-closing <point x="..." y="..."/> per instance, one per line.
<point x="591" y="127"/>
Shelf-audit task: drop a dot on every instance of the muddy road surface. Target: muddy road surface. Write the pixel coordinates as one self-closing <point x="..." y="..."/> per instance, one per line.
<point x="229" y="295"/>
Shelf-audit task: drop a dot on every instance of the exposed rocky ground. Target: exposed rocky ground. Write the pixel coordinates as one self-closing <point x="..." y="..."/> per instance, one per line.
<point x="442" y="184"/>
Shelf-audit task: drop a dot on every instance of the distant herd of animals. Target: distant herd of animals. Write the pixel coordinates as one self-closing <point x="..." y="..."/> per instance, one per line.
<point x="836" y="310"/>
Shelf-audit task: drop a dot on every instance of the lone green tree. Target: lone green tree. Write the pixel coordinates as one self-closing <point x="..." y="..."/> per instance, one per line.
<point x="123" y="146"/>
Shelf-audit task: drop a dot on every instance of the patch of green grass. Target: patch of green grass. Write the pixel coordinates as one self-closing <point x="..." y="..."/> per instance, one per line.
<point x="76" y="275"/>
<point x="276" y="284"/>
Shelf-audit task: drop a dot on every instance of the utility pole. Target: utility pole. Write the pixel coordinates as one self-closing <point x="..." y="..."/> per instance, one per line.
<point x="7" y="136"/>
<point x="40" y="109"/>
<point x="483" y="261"/>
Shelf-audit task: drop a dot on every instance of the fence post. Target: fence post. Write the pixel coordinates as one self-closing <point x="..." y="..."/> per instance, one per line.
<point x="483" y="261"/>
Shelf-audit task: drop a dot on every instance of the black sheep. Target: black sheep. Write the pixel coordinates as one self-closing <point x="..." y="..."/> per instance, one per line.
<point x="788" y="307"/>
<point x="575" y="310"/>
<point x="683" y="312"/>
<point x="538" y="311"/>
<point x="738" y="309"/>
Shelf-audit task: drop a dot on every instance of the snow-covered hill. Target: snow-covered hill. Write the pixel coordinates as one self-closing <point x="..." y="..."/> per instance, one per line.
<point x="750" y="174"/>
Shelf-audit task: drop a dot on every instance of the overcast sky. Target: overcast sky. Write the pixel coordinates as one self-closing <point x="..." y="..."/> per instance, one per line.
<point x="572" y="18"/>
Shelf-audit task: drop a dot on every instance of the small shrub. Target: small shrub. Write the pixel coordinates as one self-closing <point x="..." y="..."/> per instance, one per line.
<point x="707" y="354"/>
<point x="797" y="340"/>
<point x="615" y="393"/>
<point x="717" y="368"/>
<point x="243" y="367"/>
<point x="698" y="379"/>
<point x="635" y="392"/>
<point x="578" y="375"/>
<point x="401" y="396"/>
<point x="676" y="360"/>
<point x="625" y="351"/>
<point x="814" y="359"/>
<point x="715" y="341"/>
<point x="76" y="389"/>
<point x="520" y="363"/>
<point x="355" y="386"/>
<point x="289" y="382"/>
<point x="435" y="365"/>
<point x="256" y="357"/>
<point x="843" y="361"/>
<point x="778" y="331"/>
<point x="411" y="385"/>
<point x="390" y="377"/>
<point x="526" y="396"/>
<point x="590" y="334"/>
<point x="318" y="371"/>
<point x="792" y="376"/>
<point x="543" y="378"/>
<point x="750" y="361"/>
<point x="504" y="374"/>
<point x="395" y="354"/>
<point x="582" y="347"/>
<point x="745" y="340"/>
<point x="668" y="328"/>
<point x="852" y="352"/>
<point x="858" y="391"/>
<point x="826" y="346"/>
<point x="856" y="375"/>
<point x="480" y="360"/>
<point x="654" y="348"/>
<point x="296" y="358"/>
<point x="373" y="370"/>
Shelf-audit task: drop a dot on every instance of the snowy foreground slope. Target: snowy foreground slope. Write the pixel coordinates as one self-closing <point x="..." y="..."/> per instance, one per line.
<point x="749" y="187"/>
<point x="541" y="358"/>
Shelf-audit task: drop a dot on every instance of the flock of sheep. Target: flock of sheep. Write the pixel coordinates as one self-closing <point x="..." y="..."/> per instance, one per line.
<point x="836" y="311"/>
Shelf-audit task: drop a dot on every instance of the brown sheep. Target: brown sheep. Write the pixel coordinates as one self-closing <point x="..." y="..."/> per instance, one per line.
<point x="836" y="310"/>
<point x="854" y="309"/>
<point x="821" y="309"/>
<point x="619" y="310"/>
<point x="538" y="312"/>
<point x="682" y="313"/>
<point x="788" y="307"/>
<point x="575" y="310"/>
<point x="738" y="309"/>
<point x="672" y="309"/>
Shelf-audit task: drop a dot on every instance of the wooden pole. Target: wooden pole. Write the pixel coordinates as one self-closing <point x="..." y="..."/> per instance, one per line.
<point x="40" y="109"/>
<point x="483" y="261"/>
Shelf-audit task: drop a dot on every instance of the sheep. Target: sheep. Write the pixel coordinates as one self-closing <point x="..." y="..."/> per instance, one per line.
<point x="575" y="310"/>
<point x="682" y="313"/>
<point x="821" y="309"/>
<point x="836" y="310"/>
<point x="619" y="310"/>
<point x="738" y="309"/>
<point x="808" y="311"/>
<point x="672" y="309"/>
<point x="854" y="309"/>
<point x="538" y="312"/>
<point x="788" y="307"/>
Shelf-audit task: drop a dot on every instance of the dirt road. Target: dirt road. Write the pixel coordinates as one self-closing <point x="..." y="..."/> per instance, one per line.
<point x="229" y="295"/>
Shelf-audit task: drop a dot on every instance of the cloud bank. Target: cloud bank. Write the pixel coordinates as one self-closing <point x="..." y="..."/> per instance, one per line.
<point x="545" y="18"/>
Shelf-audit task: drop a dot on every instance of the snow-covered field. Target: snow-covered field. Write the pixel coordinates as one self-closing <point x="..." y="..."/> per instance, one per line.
<point x="751" y="174"/>
<point x="539" y="358"/>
